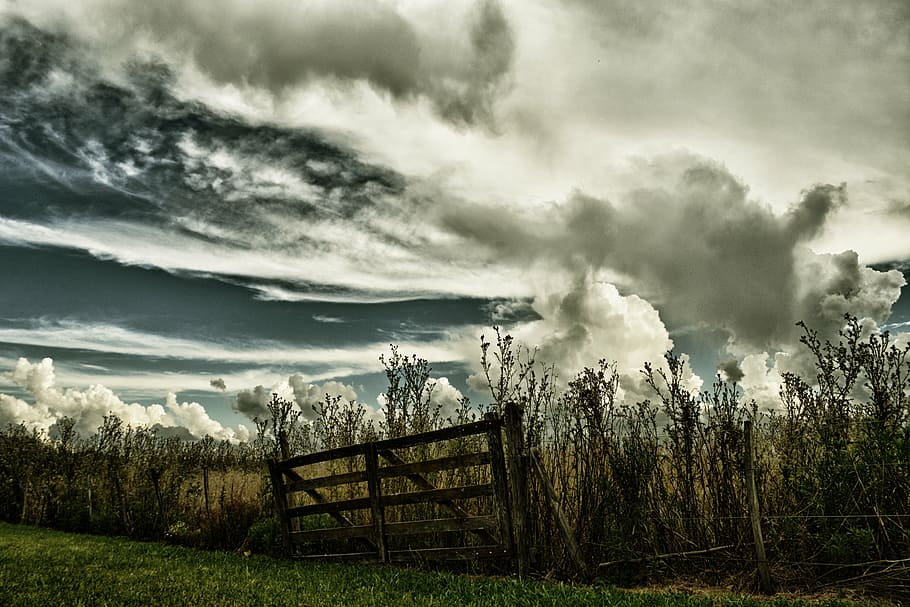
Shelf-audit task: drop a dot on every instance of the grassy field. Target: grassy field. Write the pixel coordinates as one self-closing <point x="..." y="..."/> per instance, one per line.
<point x="43" y="567"/>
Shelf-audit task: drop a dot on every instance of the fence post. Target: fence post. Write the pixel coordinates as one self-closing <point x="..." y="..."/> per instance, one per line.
<point x="518" y="480"/>
<point x="378" y="512"/>
<point x="281" y="503"/>
<point x="764" y="574"/>
<point x="500" y="480"/>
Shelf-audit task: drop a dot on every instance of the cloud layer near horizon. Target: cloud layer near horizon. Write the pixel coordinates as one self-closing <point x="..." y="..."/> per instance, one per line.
<point x="87" y="407"/>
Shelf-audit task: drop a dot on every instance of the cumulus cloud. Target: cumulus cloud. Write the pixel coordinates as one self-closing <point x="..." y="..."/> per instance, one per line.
<point x="307" y="394"/>
<point x="304" y="394"/>
<point x="444" y="395"/>
<point x="284" y="45"/>
<point x="732" y="371"/>
<point x="591" y="321"/>
<point x="834" y="285"/>
<point x="761" y="378"/>
<point x="252" y="403"/>
<point x="49" y="403"/>
<point x="686" y="236"/>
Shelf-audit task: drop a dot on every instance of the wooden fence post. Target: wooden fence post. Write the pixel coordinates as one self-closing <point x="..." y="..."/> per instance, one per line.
<point x="281" y="503"/>
<point x="205" y="491"/>
<point x="518" y="480"/>
<point x="378" y="512"/>
<point x="764" y="574"/>
<point x="500" y="481"/>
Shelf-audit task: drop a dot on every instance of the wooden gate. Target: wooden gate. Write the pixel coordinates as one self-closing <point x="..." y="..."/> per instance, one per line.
<point x="386" y="503"/>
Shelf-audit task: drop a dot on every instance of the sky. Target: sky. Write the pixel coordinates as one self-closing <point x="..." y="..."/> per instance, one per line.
<point x="202" y="203"/>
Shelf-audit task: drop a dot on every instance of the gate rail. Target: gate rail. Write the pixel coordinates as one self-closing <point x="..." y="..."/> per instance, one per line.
<point x="494" y="530"/>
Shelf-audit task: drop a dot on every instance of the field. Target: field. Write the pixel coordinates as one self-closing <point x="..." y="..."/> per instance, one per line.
<point x="44" y="567"/>
<point x="634" y="479"/>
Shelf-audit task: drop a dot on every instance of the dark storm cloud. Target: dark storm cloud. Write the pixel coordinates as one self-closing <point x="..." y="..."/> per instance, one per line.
<point x="252" y="403"/>
<point x="469" y="98"/>
<point x="698" y="247"/>
<point x="899" y="208"/>
<point x="286" y="44"/>
<point x="178" y="432"/>
<point x="806" y="219"/>
<point x="134" y="151"/>
<point x="733" y="373"/>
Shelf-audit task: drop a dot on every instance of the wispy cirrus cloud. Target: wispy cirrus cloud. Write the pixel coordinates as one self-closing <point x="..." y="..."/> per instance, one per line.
<point x="120" y="340"/>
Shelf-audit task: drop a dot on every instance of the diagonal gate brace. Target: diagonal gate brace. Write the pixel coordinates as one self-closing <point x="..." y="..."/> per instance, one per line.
<point x="423" y="483"/>
<point x="320" y="499"/>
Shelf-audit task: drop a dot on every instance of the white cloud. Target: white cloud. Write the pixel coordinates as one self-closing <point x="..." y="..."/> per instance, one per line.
<point x="307" y="394"/>
<point x="115" y="339"/>
<point x="592" y="321"/>
<point x="344" y="256"/>
<point x="88" y="406"/>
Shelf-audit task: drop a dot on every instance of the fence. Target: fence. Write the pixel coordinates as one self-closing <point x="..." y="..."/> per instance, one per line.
<point x="385" y="474"/>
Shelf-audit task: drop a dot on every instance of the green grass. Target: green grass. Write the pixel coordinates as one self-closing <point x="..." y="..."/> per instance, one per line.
<point x="43" y="567"/>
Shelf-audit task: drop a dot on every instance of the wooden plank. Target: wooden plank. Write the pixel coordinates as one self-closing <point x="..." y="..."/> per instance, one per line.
<point x="322" y="456"/>
<point x="500" y="484"/>
<point x="353" y="557"/>
<point x="330" y="480"/>
<point x="448" y="504"/>
<point x="320" y="499"/>
<point x="434" y="436"/>
<point x="331" y="533"/>
<point x="434" y="465"/>
<point x="450" y="554"/>
<point x="441" y="525"/>
<point x="435" y="495"/>
<point x="359" y="503"/>
<point x="376" y="506"/>
<point x="561" y="520"/>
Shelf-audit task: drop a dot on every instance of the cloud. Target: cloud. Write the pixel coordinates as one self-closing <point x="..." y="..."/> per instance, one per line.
<point x="732" y="371"/>
<point x="218" y="384"/>
<point x="696" y="69"/>
<point x="286" y="45"/>
<point x="252" y="403"/>
<point x="593" y="321"/>
<point x="88" y="407"/>
<point x="831" y="286"/>
<point x="303" y="392"/>
<point x="307" y="394"/>
<point x="121" y="340"/>
<point x="445" y="396"/>
<point x="685" y="235"/>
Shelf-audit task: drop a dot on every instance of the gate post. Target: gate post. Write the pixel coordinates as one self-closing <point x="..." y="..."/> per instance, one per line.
<point x="281" y="503"/>
<point x="500" y="481"/>
<point x="518" y="481"/>
<point x="378" y="512"/>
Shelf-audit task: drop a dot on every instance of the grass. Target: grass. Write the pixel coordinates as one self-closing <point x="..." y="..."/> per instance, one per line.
<point x="44" y="567"/>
